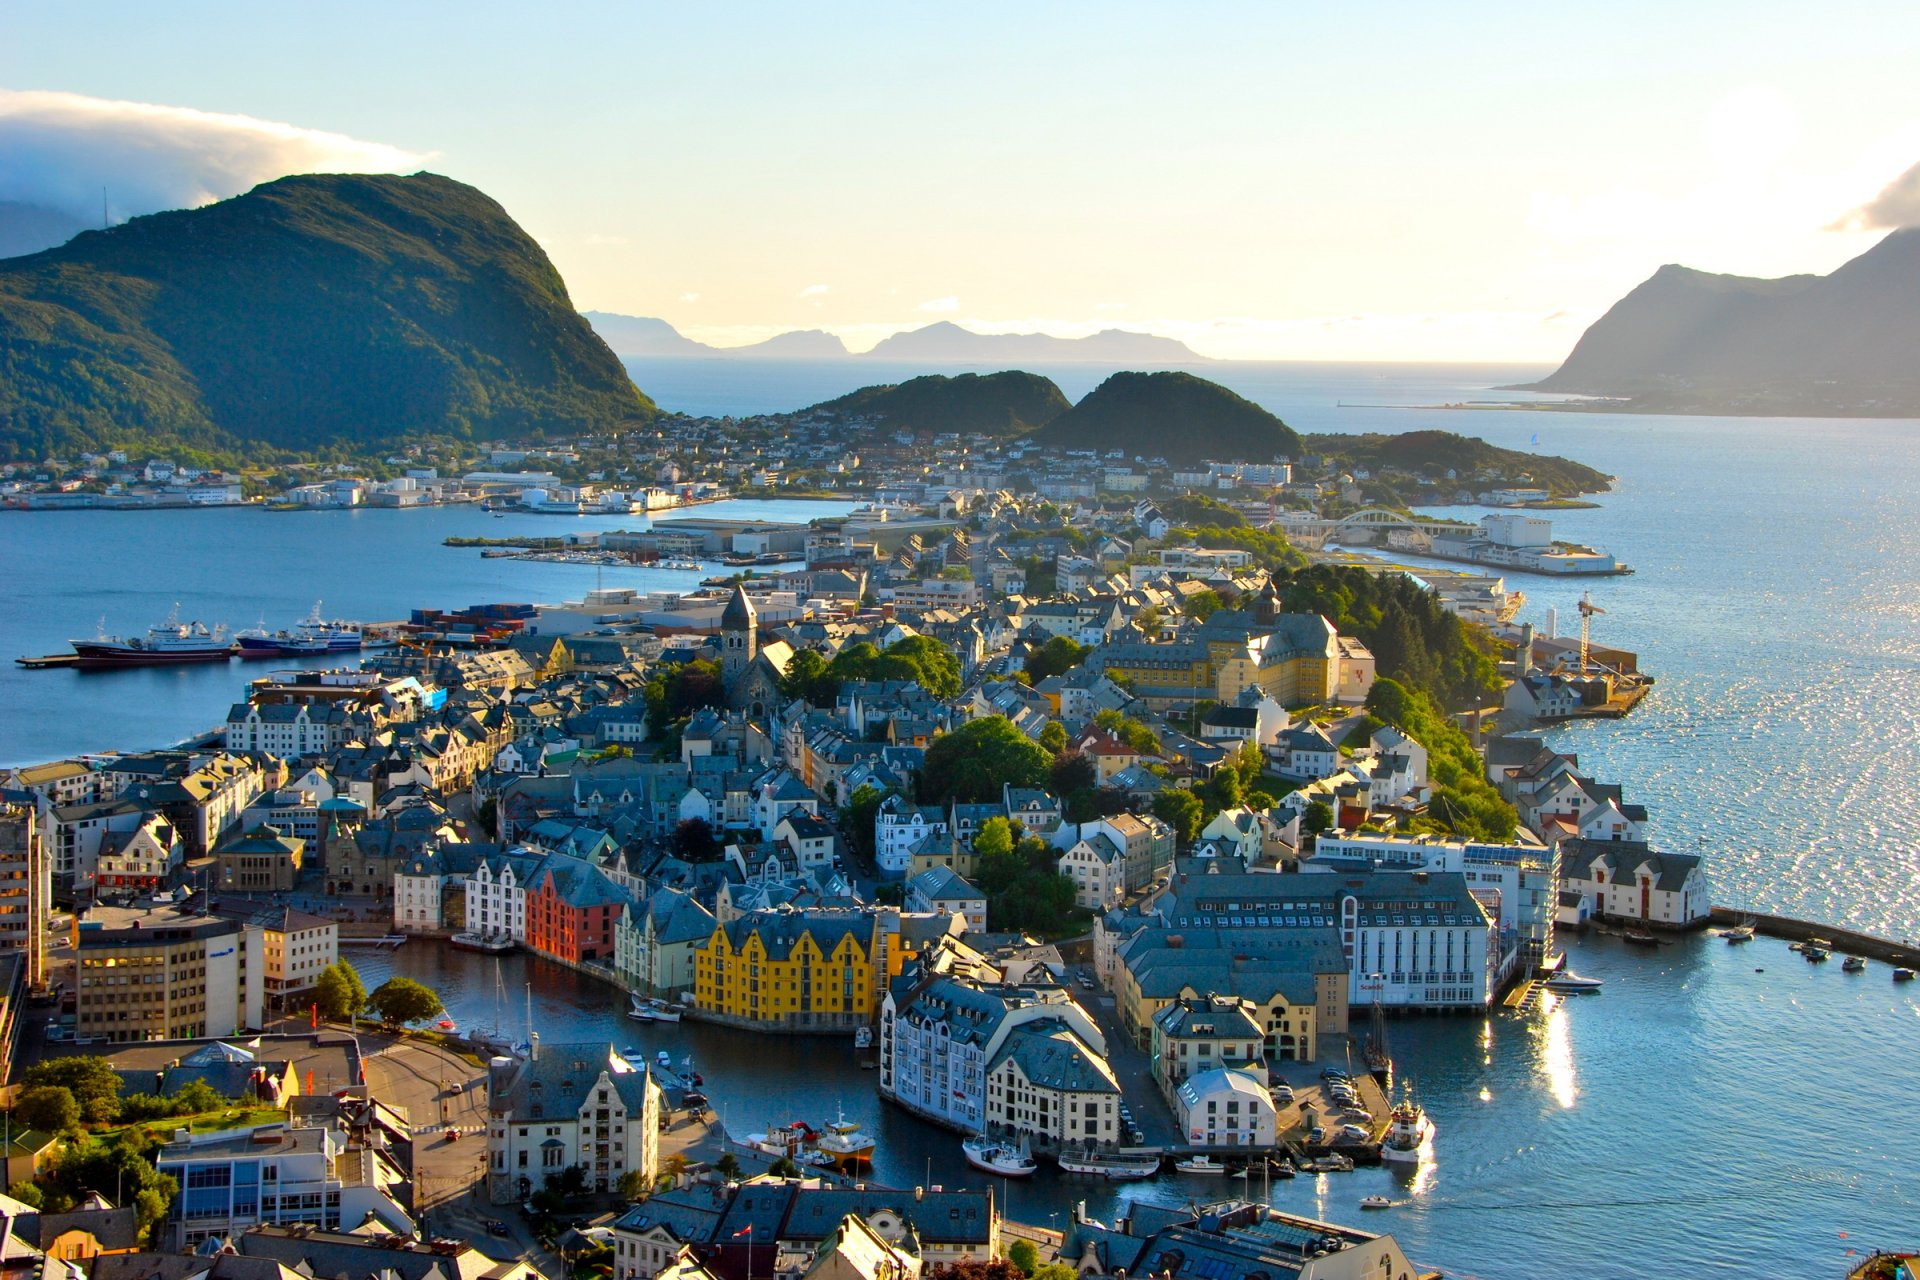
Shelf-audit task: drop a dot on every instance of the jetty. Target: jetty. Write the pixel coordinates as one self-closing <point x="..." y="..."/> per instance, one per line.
<point x="1848" y="941"/>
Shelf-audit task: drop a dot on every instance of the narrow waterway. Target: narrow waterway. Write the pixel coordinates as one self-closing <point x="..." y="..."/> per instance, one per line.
<point x="1716" y="1109"/>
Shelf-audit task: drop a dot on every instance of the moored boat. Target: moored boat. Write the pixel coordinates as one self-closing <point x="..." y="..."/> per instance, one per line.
<point x="844" y="1143"/>
<point x="1409" y="1134"/>
<point x="1113" y="1167"/>
<point x="999" y="1157"/>
<point x="171" y="642"/>
<point x="1640" y="938"/>
<point x="311" y="636"/>
<point x="1375" y="1202"/>
<point x="662" y="1011"/>
<point x="1200" y="1164"/>
<point x="1853" y="964"/>
<point x="1567" y="983"/>
<point x="491" y="944"/>
<point x="1903" y="975"/>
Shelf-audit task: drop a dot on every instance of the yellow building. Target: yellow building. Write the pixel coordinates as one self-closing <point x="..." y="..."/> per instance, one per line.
<point x="1295" y="987"/>
<point x="818" y="970"/>
<point x="1292" y="657"/>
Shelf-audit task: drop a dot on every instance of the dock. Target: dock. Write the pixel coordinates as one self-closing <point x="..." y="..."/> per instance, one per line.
<point x="1846" y="941"/>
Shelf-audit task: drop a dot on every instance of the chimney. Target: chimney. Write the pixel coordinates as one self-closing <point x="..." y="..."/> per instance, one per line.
<point x="1523" y="660"/>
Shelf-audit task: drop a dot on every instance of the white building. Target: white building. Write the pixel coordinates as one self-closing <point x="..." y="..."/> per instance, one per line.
<point x="233" y="1179"/>
<point x="1098" y="869"/>
<point x="497" y="895"/>
<point x="1626" y="880"/>
<point x="898" y="826"/>
<point x="1225" y="1107"/>
<point x="295" y="947"/>
<point x="570" y="1105"/>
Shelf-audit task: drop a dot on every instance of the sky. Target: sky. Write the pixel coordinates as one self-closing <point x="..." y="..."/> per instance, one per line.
<point x="1264" y="181"/>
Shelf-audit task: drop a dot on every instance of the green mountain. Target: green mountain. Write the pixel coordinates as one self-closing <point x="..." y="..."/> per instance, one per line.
<point x="1175" y="416"/>
<point x="994" y="404"/>
<point x="315" y="310"/>
<point x="1433" y="454"/>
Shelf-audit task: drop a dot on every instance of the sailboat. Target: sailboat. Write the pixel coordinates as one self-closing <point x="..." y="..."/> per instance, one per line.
<point x="1379" y="1060"/>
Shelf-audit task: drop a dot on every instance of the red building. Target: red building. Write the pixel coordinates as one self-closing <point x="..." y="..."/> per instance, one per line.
<point x="571" y="910"/>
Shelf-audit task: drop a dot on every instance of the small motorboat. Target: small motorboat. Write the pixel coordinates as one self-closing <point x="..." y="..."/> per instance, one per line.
<point x="1200" y="1164"/>
<point x="1004" y="1159"/>
<point x="1853" y="964"/>
<point x="1816" y="955"/>
<point x="1375" y="1202"/>
<point x="662" y="1011"/>
<point x="1568" y="983"/>
<point x="1640" y="938"/>
<point x="1903" y="975"/>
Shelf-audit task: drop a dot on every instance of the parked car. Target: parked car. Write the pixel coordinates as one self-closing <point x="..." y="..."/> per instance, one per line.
<point x="495" y="1227"/>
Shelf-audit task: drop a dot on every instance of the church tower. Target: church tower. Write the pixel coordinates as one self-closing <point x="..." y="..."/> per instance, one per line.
<point x="739" y="637"/>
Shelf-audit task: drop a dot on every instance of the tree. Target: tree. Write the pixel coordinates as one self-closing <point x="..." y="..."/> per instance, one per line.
<point x="1053" y="737"/>
<point x="1057" y="1271"/>
<point x="784" y="1168"/>
<point x="975" y="1269"/>
<point x="339" y="992"/>
<point x="401" y="1000"/>
<point x="994" y="839"/>
<point x="1023" y="1255"/>
<point x="1058" y="655"/>
<point x="807" y="677"/>
<point x="976" y="760"/>
<point x="92" y="1082"/>
<point x="1204" y="604"/>
<point x="28" y="1193"/>
<point x="48" y="1108"/>
<point x="1182" y="811"/>
<point x="1073" y="771"/>
<point x="1318" y="818"/>
<point x="1135" y="733"/>
<point x="1148" y="620"/>
<point x="693" y="840"/>
<point x="727" y="1166"/>
<point x="857" y="819"/>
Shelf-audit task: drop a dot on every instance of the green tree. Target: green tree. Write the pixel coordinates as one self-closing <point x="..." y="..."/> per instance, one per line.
<point x="48" y="1108"/>
<point x="1053" y="737"/>
<point x="401" y="1000"/>
<point x="1182" y="811"/>
<point x="1135" y="733"/>
<point x="976" y="760"/>
<point x="1056" y="1271"/>
<point x="727" y="1166"/>
<point x="694" y="840"/>
<point x="1023" y="1255"/>
<point x="857" y="818"/>
<point x="92" y="1082"/>
<point x="784" y="1168"/>
<point x="1149" y="620"/>
<point x="1073" y="771"/>
<point x="28" y="1193"/>
<point x="1464" y="803"/>
<point x="1204" y="604"/>
<point x="339" y="992"/>
<point x="994" y="839"/>
<point x="1317" y="818"/>
<point x="1058" y="655"/>
<point x="808" y="678"/>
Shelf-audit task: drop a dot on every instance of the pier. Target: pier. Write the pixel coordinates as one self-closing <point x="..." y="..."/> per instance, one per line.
<point x="1849" y="941"/>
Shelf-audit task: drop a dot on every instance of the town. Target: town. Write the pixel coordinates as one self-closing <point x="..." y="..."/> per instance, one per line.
<point x="1110" y="825"/>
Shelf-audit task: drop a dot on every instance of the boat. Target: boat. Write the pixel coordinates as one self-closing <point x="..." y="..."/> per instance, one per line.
<point x="843" y="1141"/>
<point x="681" y="566"/>
<point x="1739" y="933"/>
<point x="640" y="1013"/>
<point x="1903" y="975"/>
<point x="662" y="1011"/>
<point x="1572" y="984"/>
<point x="1200" y="1164"/>
<point x="1375" y="1202"/>
<point x="1640" y="938"/>
<point x="311" y="636"/>
<point x="493" y="944"/>
<point x="999" y="1157"/>
<point x="1409" y="1133"/>
<point x="1333" y="1162"/>
<point x="1853" y="964"/>
<point x="789" y="1142"/>
<point x="863" y="1038"/>
<point x="170" y="643"/>
<point x="1816" y="955"/>
<point x="1113" y="1168"/>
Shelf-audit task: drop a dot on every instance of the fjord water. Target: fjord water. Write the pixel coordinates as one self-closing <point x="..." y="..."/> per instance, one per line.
<point x="1698" y="1118"/>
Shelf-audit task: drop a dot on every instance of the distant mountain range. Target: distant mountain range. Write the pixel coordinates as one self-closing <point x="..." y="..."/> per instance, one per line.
<point x="940" y="343"/>
<point x="316" y="309"/>
<point x="1689" y="341"/>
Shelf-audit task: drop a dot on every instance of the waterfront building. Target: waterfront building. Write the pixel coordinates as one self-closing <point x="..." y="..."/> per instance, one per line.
<point x="295" y="948"/>
<point x="1232" y="1238"/>
<point x="656" y="943"/>
<point x="822" y="969"/>
<point x="1627" y="880"/>
<point x="1049" y="1083"/>
<point x="943" y="1028"/>
<point x="233" y="1179"/>
<point x="565" y="1106"/>
<point x="1518" y="883"/>
<point x="571" y="907"/>
<point x="1225" y="1107"/>
<point x="1295" y="980"/>
<point x="289" y="730"/>
<point x="163" y="973"/>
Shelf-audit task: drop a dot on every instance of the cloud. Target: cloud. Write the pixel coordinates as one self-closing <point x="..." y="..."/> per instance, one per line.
<point x="689" y="297"/>
<point x="599" y="239"/>
<point x="814" y="291"/>
<point x="940" y="306"/>
<point x="1897" y="205"/>
<point x="62" y="148"/>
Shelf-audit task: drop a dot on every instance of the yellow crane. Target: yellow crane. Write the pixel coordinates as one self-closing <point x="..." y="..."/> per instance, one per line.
<point x="1587" y="609"/>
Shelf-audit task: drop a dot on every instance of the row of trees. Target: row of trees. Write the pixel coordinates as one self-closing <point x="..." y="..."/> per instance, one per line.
<point x="920" y="659"/>
<point x="341" y="995"/>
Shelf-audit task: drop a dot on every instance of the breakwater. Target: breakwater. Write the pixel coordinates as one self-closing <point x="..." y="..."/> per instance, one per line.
<point x="1851" y="941"/>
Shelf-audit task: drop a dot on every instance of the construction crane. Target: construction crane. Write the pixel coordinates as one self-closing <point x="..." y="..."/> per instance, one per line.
<point x="1587" y="609"/>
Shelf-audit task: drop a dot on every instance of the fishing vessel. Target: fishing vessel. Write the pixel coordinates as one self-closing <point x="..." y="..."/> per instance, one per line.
<point x="844" y="1144"/>
<point x="1113" y="1168"/>
<point x="493" y="944"/>
<point x="996" y="1156"/>
<point x="169" y="643"/>
<point x="1409" y="1134"/>
<point x="311" y="636"/>
<point x="1200" y="1164"/>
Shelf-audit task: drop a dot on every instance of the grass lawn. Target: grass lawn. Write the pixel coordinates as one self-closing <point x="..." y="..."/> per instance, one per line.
<point x="203" y="1122"/>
